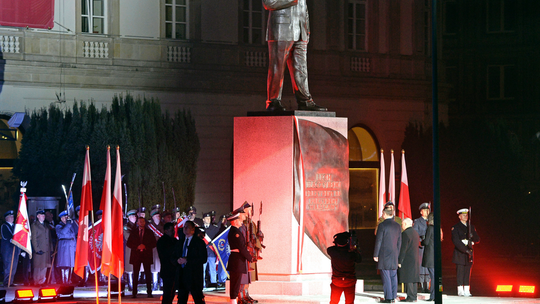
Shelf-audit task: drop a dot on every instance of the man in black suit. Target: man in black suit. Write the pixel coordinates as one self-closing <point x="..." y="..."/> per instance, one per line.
<point x="288" y="36"/>
<point x="408" y="260"/>
<point x="386" y="252"/>
<point x="239" y="255"/>
<point x="190" y="254"/>
<point x="141" y="241"/>
<point x="165" y="246"/>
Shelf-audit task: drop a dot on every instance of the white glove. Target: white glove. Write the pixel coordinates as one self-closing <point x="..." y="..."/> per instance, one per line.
<point x="23" y="254"/>
<point x="465" y="241"/>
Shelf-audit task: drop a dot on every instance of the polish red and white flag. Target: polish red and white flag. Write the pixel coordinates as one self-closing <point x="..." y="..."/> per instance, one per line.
<point x="21" y="234"/>
<point x="404" y="206"/>
<point x="81" y="258"/>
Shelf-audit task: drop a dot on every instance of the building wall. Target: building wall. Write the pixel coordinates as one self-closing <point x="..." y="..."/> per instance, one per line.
<point x="217" y="77"/>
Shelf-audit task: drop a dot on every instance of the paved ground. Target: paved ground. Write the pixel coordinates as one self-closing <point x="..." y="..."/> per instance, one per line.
<point x="87" y="296"/>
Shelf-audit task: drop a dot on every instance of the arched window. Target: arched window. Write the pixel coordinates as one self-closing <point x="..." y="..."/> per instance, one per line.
<point x="364" y="176"/>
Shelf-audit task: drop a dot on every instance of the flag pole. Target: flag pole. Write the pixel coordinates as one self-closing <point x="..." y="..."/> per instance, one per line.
<point x="11" y="266"/>
<point x="95" y="260"/>
<point x="108" y="289"/>
<point x="119" y="287"/>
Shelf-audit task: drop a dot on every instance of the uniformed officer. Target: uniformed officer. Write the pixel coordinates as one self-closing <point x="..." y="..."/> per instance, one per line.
<point x="239" y="257"/>
<point x="254" y="246"/>
<point x="462" y="253"/>
<point x="130" y="226"/>
<point x="141" y="212"/>
<point x="211" y="231"/>
<point x="41" y="244"/>
<point x="66" y="231"/>
<point x="389" y="206"/>
<point x="420" y="225"/>
<point x="157" y="228"/>
<point x="10" y="258"/>
<point x="192" y="213"/>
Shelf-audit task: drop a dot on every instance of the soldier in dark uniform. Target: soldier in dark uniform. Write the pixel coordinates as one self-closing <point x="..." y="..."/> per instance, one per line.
<point x="428" y="260"/>
<point x="343" y="259"/>
<point x="389" y="206"/>
<point x="420" y="225"/>
<point x="211" y="231"/>
<point x="42" y="247"/>
<point x="254" y="247"/>
<point x="130" y="226"/>
<point x="141" y="241"/>
<point x="237" y="265"/>
<point x="10" y="258"/>
<point x="192" y="213"/>
<point x="157" y="228"/>
<point x="462" y="253"/>
<point x="66" y="231"/>
<point x="165" y="246"/>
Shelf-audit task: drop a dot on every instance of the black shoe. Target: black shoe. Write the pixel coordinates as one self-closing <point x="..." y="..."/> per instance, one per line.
<point x="134" y="296"/>
<point x="310" y="106"/>
<point x="149" y="295"/>
<point x="250" y="299"/>
<point x="408" y="300"/>
<point x="275" y="106"/>
<point x="386" y="301"/>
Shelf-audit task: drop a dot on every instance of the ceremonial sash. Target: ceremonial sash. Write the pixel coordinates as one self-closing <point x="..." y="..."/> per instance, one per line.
<point x="155" y="230"/>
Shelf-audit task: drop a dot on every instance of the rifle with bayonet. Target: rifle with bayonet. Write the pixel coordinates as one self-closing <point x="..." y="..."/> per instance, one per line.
<point x="469" y="236"/>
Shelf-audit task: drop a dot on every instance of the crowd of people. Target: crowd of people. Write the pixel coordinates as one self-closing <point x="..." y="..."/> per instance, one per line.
<point x="172" y="248"/>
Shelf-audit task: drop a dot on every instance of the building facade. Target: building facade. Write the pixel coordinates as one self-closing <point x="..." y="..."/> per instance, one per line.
<point x="368" y="60"/>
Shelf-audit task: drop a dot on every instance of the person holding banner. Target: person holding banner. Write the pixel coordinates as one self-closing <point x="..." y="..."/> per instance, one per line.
<point x="41" y="245"/>
<point x="66" y="231"/>
<point x="10" y="252"/>
<point x="211" y="231"/>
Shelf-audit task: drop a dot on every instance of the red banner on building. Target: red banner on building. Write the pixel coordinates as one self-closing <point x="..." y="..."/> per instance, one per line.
<point x="27" y="13"/>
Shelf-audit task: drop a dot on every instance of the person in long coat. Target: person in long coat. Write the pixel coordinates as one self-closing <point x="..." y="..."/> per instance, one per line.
<point x="169" y="266"/>
<point x="428" y="260"/>
<point x="41" y="245"/>
<point x="420" y="225"/>
<point x="141" y="241"/>
<point x="386" y="252"/>
<point x="409" y="262"/>
<point x="237" y="265"/>
<point x="190" y="254"/>
<point x="66" y="231"/>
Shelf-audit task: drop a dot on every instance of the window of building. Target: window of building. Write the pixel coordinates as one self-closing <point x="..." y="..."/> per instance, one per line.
<point x="253" y="22"/>
<point x="501" y="16"/>
<point x="356" y="25"/>
<point x="93" y="16"/>
<point x="363" y="178"/>
<point x="501" y="82"/>
<point x="176" y="19"/>
<point x="450" y="17"/>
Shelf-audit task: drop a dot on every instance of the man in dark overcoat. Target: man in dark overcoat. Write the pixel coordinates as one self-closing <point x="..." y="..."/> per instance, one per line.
<point x="462" y="253"/>
<point x="141" y="241"/>
<point x="408" y="260"/>
<point x="165" y="246"/>
<point x="420" y="225"/>
<point x="386" y="252"/>
<point x="190" y="253"/>
<point x="428" y="260"/>
<point x="42" y="246"/>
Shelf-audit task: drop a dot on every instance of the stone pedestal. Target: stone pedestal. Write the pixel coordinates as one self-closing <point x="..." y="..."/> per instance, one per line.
<point x="287" y="163"/>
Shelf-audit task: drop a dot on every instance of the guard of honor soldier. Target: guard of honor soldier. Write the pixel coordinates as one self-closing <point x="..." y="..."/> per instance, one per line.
<point x="421" y="225"/>
<point x="66" y="232"/>
<point x="10" y="252"/>
<point x="463" y="254"/>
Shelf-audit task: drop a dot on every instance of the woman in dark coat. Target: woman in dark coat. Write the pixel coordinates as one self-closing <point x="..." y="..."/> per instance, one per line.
<point x="428" y="260"/>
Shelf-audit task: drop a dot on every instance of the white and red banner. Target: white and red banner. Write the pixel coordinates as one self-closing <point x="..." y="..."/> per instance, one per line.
<point x="105" y="206"/>
<point x="382" y="185"/>
<point x="116" y="259"/>
<point x="21" y="234"/>
<point x="404" y="199"/>
<point x="82" y="257"/>
<point x="27" y="13"/>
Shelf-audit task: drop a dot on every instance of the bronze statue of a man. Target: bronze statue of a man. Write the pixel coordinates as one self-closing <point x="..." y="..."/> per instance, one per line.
<point x="288" y="36"/>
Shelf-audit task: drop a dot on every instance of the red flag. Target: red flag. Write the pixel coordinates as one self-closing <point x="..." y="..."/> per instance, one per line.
<point x="382" y="185"/>
<point x="392" y="179"/>
<point x="113" y="241"/>
<point x="21" y="234"/>
<point x="404" y="199"/>
<point x="81" y="258"/>
<point x="105" y="206"/>
<point x="95" y="247"/>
